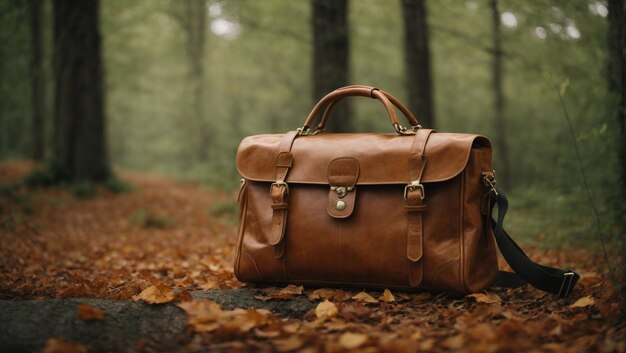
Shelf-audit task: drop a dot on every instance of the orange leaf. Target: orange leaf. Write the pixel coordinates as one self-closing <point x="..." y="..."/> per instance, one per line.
<point x="351" y="340"/>
<point x="58" y="345"/>
<point x="487" y="298"/>
<point x="284" y="293"/>
<point x="387" y="296"/>
<point x="583" y="302"/>
<point x="364" y="297"/>
<point x="326" y="310"/>
<point x="156" y="294"/>
<point x="90" y="313"/>
<point x="288" y="344"/>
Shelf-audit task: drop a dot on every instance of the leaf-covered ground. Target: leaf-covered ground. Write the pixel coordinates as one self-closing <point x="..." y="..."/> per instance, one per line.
<point x="166" y="238"/>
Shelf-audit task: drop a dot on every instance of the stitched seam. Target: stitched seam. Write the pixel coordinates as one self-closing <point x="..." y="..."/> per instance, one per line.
<point x="258" y="273"/>
<point x="242" y="224"/>
<point x="462" y="266"/>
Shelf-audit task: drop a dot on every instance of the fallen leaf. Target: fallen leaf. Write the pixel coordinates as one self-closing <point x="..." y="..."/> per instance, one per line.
<point x="355" y="311"/>
<point x="266" y="334"/>
<point x="209" y="285"/>
<point x="487" y="298"/>
<point x="454" y="342"/>
<point x="90" y="313"/>
<point x="583" y="302"/>
<point x="156" y="294"/>
<point x="387" y="296"/>
<point x="79" y="290"/>
<point x="202" y="315"/>
<point x="282" y="294"/>
<point x="321" y="293"/>
<point x="351" y="340"/>
<point x="288" y="344"/>
<point x="417" y="335"/>
<point x="482" y="332"/>
<point x="326" y="310"/>
<point x="364" y="297"/>
<point x="58" y="345"/>
<point x="184" y="296"/>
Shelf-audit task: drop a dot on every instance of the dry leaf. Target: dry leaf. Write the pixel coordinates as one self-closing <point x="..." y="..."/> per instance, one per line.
<point x="583" y="302"/>
<point x="351" y="340"/>
<point x="202" y="315"/>
<point x="288" y="344"/>
<point x="58" y="345"/>
<point x="387" y="296"/>
<point x="321" y="293"/>
<point x="454" y="342"/>
<point x="355" y="311"/>
<point x="80" y="290"/>
<point x="417" y="335"/>
<point x="364" y="297"/>
<point x="90" y="313"/>
<point x="283" y="294"/>
<point x="487" y="298"/>
<point x="156" y="294"/>
<point x="326" y="310"/>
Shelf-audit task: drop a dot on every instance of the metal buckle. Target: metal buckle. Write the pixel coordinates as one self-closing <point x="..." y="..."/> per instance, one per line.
<point x="567" y="277"/>
<point x="412" y="187"/>
<point x="341" y="190"/>
<point x="280" y="183"/>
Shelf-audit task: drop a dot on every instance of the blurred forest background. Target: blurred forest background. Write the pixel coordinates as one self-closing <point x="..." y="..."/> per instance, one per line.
<point x="172" y="86"/>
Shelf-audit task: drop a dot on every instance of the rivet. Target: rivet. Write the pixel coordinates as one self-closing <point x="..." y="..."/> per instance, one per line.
<point x="340" y="206"/>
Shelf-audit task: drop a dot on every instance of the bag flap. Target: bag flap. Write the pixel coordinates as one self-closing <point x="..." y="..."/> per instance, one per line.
<point x="383" y="158"/>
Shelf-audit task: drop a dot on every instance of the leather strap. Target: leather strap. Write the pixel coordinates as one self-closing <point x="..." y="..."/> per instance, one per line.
<point x="359" y="91"/>
<point x="410" y="117"/>
<point x="279" y="193"/>
<point x="414" y="197"/>
<point x="547" y="279"/>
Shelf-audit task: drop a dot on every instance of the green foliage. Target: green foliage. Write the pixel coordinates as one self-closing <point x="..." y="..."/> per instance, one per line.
<point x="258" y="80"/>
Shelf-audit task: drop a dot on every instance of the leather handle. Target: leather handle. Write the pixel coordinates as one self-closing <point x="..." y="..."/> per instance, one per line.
<point x="407" y="113"/>
<point x="359" y="91"/>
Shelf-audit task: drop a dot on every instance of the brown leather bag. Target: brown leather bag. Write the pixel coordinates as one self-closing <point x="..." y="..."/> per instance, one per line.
<point x="407" y="211"/>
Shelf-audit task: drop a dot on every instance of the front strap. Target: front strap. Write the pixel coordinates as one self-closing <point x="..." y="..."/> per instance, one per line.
<point x="547" y="279"/>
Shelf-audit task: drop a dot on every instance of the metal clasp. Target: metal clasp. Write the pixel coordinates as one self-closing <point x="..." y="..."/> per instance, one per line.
<point x="568" y="278"/>
<point x="341" y="190"/>
<point x="306" y="131"/>
<point x="404" y="131"/>
<point x="412" y="187"/>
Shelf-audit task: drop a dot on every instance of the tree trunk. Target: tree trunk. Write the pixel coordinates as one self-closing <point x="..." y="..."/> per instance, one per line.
<point x="196" y="22"/>
<point x="617" y="78"/>
<point x="36" y="82"/>
<point x="80" y="151"/>
<point x="502" y="146"/>
<point x="417" y="61"/>
<point x="331" y="57"/>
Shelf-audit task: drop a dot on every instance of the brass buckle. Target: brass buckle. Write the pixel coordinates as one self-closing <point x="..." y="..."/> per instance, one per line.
<point x="280" y="183"/>
<point x="568" y="277"/>
<point x="404" y="131"/>
<point x="341" y="190"/>
<point x="412" y="187"/>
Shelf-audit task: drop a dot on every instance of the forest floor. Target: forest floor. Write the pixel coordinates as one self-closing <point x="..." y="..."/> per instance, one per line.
<point x="151" y="270"/>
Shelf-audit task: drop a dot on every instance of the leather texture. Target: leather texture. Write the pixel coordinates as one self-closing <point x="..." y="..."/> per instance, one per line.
<point x="419" y="222"/>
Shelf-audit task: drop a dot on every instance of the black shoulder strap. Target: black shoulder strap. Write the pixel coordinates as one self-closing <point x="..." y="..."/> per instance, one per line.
<point x="547" y="279"/>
